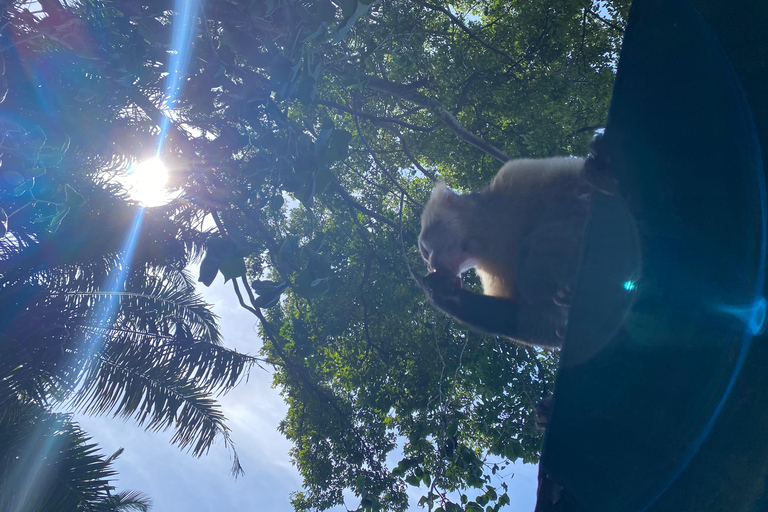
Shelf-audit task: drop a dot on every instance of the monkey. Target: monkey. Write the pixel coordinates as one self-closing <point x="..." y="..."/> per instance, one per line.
<point x="523" y="235"/>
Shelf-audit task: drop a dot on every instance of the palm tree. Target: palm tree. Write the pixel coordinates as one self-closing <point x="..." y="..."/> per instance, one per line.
<point x="85" y="324"/>
<point x="48" y="463"/>
<point x="146" y="346"/>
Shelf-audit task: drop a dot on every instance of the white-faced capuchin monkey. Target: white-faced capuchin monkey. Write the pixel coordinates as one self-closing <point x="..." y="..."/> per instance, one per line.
<point x="523" y="236"/>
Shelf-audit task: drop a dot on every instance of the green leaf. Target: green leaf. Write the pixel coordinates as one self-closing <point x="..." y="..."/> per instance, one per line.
<point x="209" y="268"/>
<point x="56" y="220"/>
<point x="233" y="267"/>
<point x="325" y="11"/>
<point x="324" y="136"/>
<point x="12" y="178"/>
<point x="452" y="507"/>
<point x="291" y="181"/>
<point x="308" y="286"/>
<point x="320" y="268"/>
<point x="49" y="156"/>
<point x="316" y="243"/>
<point x="25" y="188"/>
<point x="306" y="193"/>
<point x="219" y="250"/>
<point x="280" y="69"/>
<point x="360" y="9"/>
<point x="306" y="90"/>
<point x="286" y="257"/>
<point x="347" y="7"/>
<point x="338" y="146"/>
<point x="267" y="300"/>
<point x="512" y="450"/>
<point x="413" y="480"/>
<point x="276" y="202"/>
<point x="323" y="178"/>
<point x="265" y="287"/>
<point x="321" y="29"/>
<point x="72" y="198"/>
<point x="269" y="292"/>
<point x="33" y="139"/>
<point x="152" y="30"/>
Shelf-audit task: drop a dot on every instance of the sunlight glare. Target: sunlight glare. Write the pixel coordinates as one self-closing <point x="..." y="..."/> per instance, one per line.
<point x="146" y="183"/>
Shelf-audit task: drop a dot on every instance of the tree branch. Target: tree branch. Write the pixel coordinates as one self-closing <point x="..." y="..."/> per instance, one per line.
<point x="407" y="152"/>
<point x="375" y="119"/>
<point x="382" y="167"/>
<point x="605" y="21"/>
<point x="266" y="235"/>
<point x="456" y="21"/>
<point x="357" y="206"/>
<point x="408" y="93"/>
<point x="304" y="374"/>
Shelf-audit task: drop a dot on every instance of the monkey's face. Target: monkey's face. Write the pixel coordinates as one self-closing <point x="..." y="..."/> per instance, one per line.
<point x="445" y="249"/>
<point x="444" y="242"/>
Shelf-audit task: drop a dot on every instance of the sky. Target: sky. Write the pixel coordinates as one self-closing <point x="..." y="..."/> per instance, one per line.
<point x="177" y="481"/>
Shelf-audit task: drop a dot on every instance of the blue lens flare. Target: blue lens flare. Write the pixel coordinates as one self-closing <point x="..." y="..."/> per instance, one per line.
<point x="115" y="284"/>
<point x="36" y="453"/>
<point x="184" y="22"/>
<point x="27" y="479"/>
<point x="753" y="315"/>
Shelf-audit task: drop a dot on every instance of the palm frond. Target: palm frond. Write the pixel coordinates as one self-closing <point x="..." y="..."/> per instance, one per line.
<point x="149" y="303"/>
<point x="132" y="384"/>
<point x="125" y="501"/>
<point x="213" y="368"/>
<point x="48" y="462"/>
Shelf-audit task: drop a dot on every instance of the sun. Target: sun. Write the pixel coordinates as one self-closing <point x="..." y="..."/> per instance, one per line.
<point x="146" y="183"/>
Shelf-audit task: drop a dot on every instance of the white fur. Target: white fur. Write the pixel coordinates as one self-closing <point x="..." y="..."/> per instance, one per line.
<point x="484" y="229"/>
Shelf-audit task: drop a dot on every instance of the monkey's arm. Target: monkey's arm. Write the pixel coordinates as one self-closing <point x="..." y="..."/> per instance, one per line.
<point x="526" y="323"/>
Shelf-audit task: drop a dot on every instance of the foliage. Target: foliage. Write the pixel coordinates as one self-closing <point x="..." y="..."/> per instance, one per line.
<point x="48" y="463"/>
<point x="310" y="131"/>
<point x="147" y="347"/>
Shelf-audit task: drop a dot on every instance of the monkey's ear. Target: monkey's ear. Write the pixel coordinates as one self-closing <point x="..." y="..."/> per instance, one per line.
<point x="443" y="194"/>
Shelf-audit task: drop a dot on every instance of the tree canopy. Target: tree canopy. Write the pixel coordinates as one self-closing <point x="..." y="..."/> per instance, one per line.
<point x="310" y="133"/>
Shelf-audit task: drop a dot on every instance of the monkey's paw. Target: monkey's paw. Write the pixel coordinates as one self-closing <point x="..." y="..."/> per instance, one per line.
<point x="544" y="412"/>
<point x="442" y="289"/>
<point x="563" y="296"/>
<point x="597" y="168"/>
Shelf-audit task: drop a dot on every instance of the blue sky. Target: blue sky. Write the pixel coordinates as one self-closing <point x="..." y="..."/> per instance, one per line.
<point x="176" y="481"/>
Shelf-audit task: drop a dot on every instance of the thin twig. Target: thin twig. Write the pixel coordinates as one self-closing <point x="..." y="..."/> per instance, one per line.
<point x="456" y="21"/>
<point x="376" y="119"/>
<point x="409" y="155"/>
<point x="605" y="21"/>
<point x="381" y="166"/>
<point x="357" y="206"/>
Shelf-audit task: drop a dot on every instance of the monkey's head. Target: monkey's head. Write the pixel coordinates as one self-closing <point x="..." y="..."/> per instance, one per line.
<point x="444" y="242"/>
